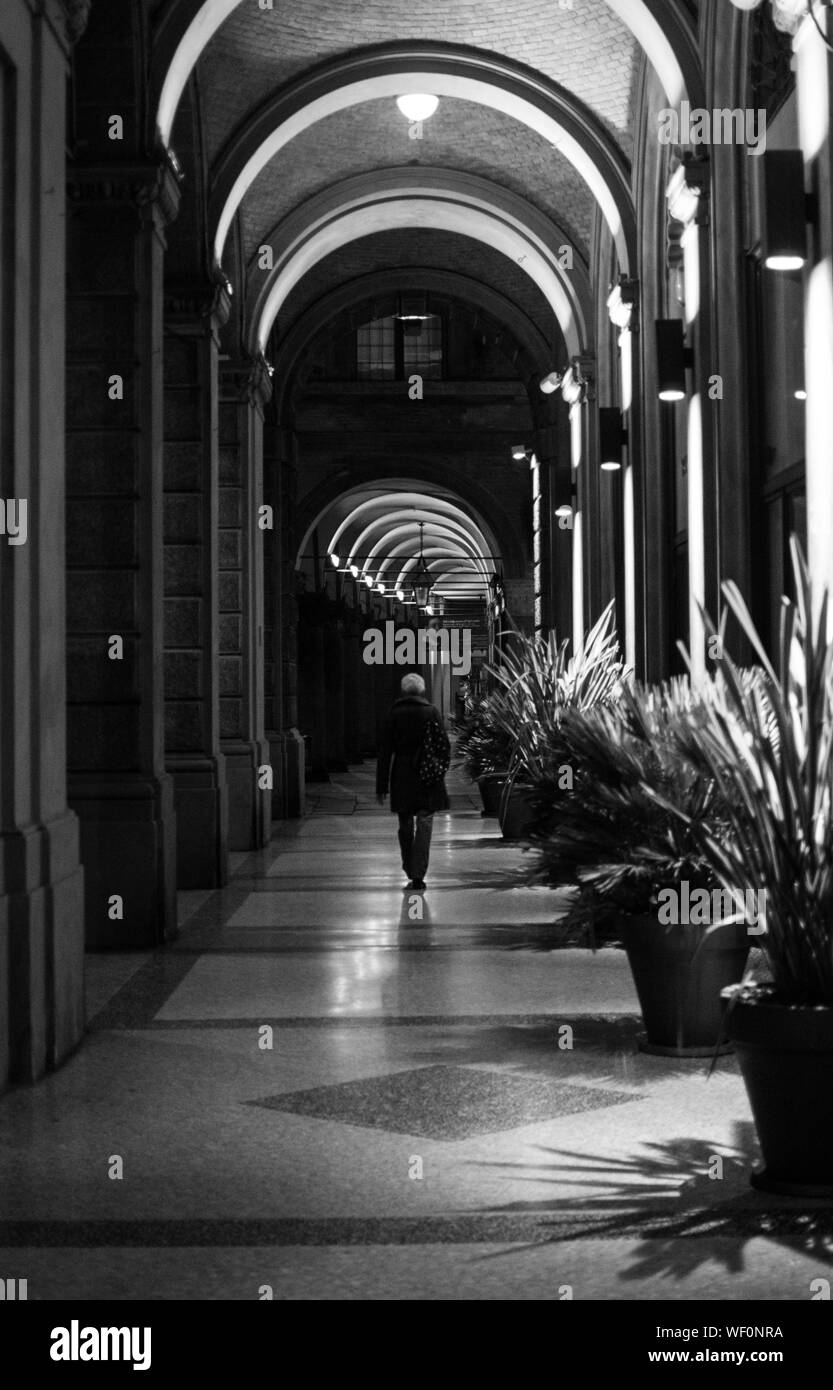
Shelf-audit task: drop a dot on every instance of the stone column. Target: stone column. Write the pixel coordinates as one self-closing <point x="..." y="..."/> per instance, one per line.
<point x="352" y="689"/>
<point x="814" y="76"/>
<point x="41" y="882"/>
<point x="367" y="713"/>
<point x="285" y="741"/>
<point x="117" y="779"/>
<point x="705" y="552"/>
<point x="334" y="686"/>
<point x="244" y="390"/>
<point x="312" y="699"/>
<point x="193" y="318"/>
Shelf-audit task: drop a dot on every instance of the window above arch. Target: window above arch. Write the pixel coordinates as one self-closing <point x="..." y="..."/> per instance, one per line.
<point x="392" y="348"/>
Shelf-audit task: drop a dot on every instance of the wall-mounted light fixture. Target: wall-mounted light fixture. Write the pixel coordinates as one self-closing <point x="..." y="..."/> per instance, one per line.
<point x="612" y="438"/>
<point x="672" y="359"/>
<point x="334" y="561"/>
<point x="519" y="452"/>
<point x="564" y="509"/>
<point x="354" y="570"/>
<point x="551" y="382"/>
<point x="785" y="211"/>
<point x="574" y="385"/>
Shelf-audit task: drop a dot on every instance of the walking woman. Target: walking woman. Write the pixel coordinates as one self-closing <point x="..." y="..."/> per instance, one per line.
<point x="409" y="743"/>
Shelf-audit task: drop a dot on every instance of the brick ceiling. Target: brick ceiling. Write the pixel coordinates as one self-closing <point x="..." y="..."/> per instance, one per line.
<point x="418" y="248"/>
<point x="584" y="48"/>
<point x="460" y="136"/>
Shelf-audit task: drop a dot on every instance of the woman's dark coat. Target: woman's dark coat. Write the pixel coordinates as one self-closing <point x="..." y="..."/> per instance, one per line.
<point x="401" y="739"/>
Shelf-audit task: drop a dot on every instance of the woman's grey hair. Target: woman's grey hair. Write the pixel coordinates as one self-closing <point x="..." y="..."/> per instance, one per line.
<point x="413" y="685"/>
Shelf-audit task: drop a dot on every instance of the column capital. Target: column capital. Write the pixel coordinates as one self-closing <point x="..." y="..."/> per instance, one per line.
<point x="152" y="188"/>
<point x="584" y="373"/>
<point x="196" y="300"/>
<point x="249" y="378"/>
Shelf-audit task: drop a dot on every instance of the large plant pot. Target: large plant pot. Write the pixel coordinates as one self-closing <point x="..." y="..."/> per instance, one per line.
<point x="679" y="974"/>
<point x="517" y="812"/>
<point x="491" y="788"/>
<point x="786" y="1058"/>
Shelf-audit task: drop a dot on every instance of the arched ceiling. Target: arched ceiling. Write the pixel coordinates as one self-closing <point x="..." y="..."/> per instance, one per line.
<point x="297" y="100"/>
<point x="590" y="48"/>
<point x="410" y="198"/>
<point x="430" y="249"/>
<point x="461" y="136"/>
<point x="586" y="48"/>
<point x="374" y="533"/>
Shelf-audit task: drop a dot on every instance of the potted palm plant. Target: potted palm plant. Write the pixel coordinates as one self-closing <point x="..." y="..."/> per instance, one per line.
<point x="641" y="873"/>
<point x="768" y="745"/>
<point x="485" y="750"/>
<point x="537" y="682"/>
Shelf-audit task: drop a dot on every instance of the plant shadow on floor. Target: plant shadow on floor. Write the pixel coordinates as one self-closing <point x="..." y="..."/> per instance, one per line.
<point x="666" y="1199"/>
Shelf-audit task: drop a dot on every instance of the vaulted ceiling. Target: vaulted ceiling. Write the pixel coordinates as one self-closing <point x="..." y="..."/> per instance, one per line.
<point x="581" y="53"/>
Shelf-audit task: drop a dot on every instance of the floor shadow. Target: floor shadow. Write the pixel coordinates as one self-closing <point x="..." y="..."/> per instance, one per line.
<point x="674" y="1199"/>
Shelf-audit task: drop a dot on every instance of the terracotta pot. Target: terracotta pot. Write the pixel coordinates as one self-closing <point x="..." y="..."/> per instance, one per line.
<point x="679" y="973"/>
<point x="786" y="1057"/>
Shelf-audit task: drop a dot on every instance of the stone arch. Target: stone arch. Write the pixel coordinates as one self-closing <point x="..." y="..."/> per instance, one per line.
<point x="436" y="198"/>
<point x="354" y="473"/>
<point x="446" y="70"/>
<point x="537" y="351"/>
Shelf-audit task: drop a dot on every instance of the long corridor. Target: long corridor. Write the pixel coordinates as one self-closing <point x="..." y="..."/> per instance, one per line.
<point x="331" y="1088"/>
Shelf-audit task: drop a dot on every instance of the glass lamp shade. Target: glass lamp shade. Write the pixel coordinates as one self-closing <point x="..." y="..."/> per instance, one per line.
<point x="417" y="106"/>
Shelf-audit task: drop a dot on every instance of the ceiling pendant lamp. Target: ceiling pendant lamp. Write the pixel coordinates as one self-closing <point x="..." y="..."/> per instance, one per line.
<point x="417" y="106"/>
<point x="421" y="582"/>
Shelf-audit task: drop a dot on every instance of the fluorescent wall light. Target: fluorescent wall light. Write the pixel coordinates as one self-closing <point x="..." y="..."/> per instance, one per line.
<point x="612" y="436"/>
<point x="784" y="210"/>
<point x="671" y="360"/>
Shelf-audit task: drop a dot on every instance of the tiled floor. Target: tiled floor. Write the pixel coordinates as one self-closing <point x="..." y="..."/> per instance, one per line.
<point x="331" y="1088"/>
